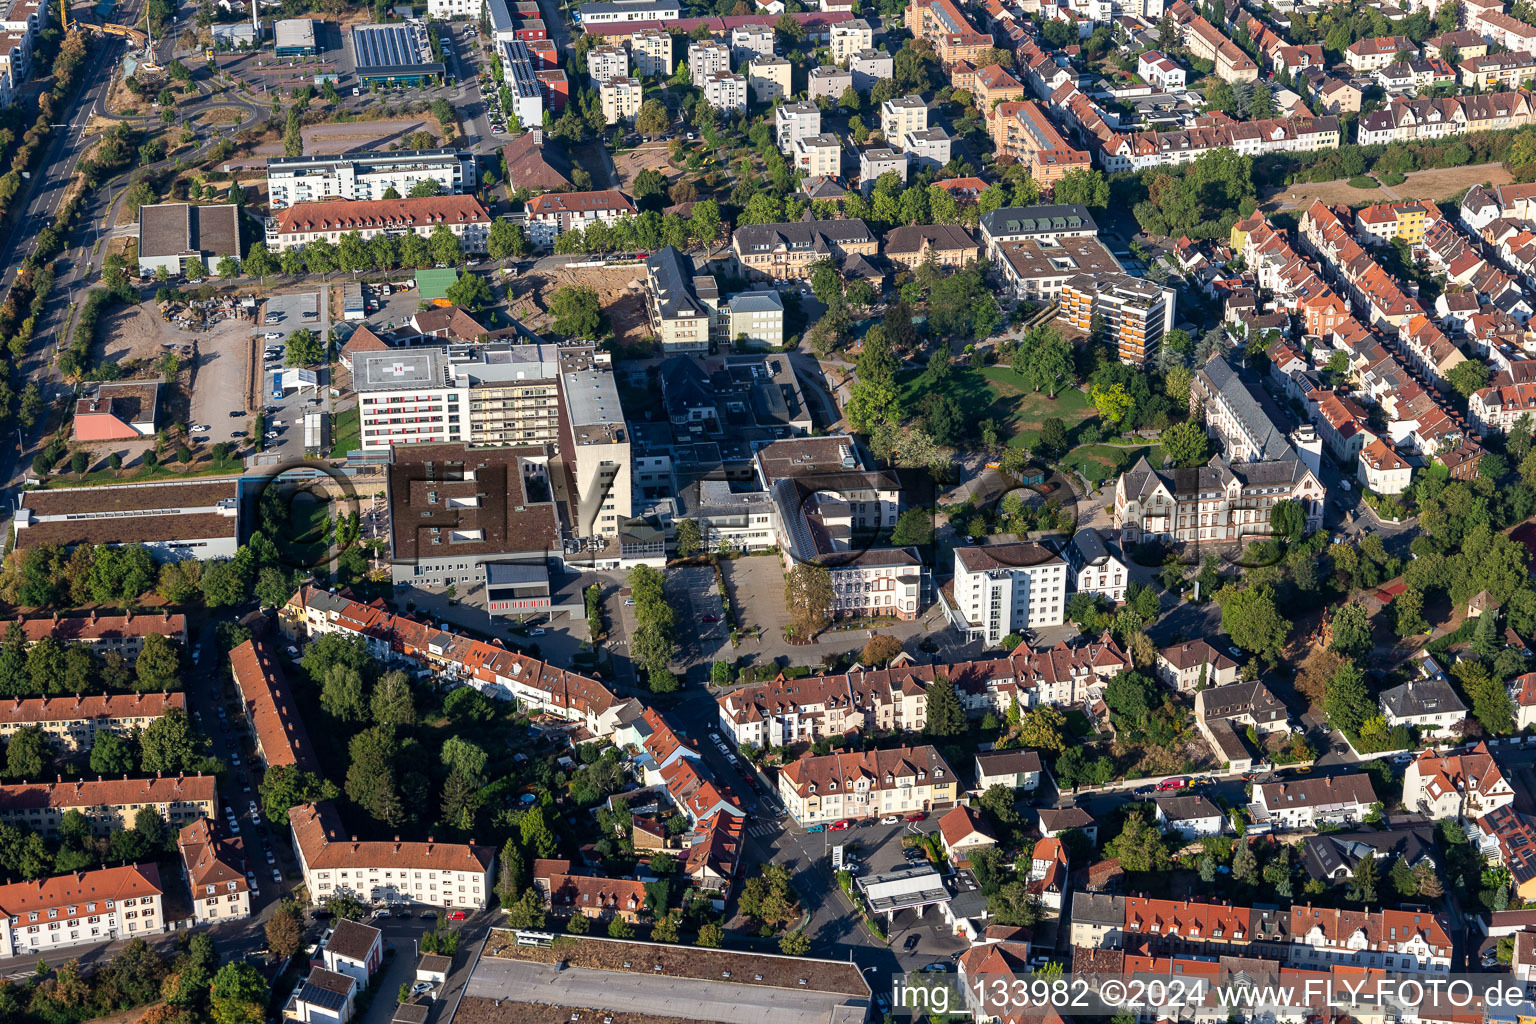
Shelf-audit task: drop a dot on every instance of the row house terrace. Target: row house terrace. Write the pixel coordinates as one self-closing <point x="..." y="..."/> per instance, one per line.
<point x="1405" y="119"/>
<point x="489" y="668"/>
<point x="1494" y="410"/>
<point x="1410" y="942"/>
<point x="1465" y="261"/>
<point x="1481" y="206"/>
<point x="788" y="711"/>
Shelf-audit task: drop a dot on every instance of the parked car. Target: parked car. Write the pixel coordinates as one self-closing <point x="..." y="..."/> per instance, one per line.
<point x="917" y="816"/>
<point x="429" y="915"/>
<point x="277" y="876"/>
<point x="839" y="826"/>
<point x="457" y="915"/>
<point x="816" y="828"/>
<point x="889" y="819"/>
<point x="1143" y="791"/>
<point x="911" y="943"/>
<point x="1169" y="785"/>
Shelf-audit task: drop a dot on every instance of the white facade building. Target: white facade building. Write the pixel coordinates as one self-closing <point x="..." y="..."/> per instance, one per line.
<point x="87" y="907"/>
<point x="1007" y="588"/>
<point x="303" y="179"/>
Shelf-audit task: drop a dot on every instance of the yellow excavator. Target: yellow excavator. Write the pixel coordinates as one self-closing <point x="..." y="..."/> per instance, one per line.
<point x="143" y="41"/>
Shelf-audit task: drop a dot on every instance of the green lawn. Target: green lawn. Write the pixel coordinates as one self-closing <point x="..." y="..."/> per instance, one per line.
<point x="100" y="477"/>
<point x="1097" y="461"/>
<point x="346" y="433"/>
<point x="305" y="537"/>
<point x="998" y="393"/>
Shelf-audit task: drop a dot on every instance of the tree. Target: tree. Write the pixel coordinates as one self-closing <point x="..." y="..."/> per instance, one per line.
<point x="527" y="911"/>
<point x="1044" y="728"/>
<point x="1351" y="631"/>
<point x="471" y="291"/>
<point x="535" y="833"/>
<point x="112" y="755"/>
<point x="425" y="188"/>
<point x="711" y="935"/>
<point x="879" y="651"/>
<point x="1084" y="186"/>
<point x="576" y="312"/>
<point x="158" y="666"/>
<point x="1185" y="444"/>
<point x="392" y="702"/>
<point x="795" y="943"/>
<point x="809" y="597"/>
<point x="689" y="540"/>
<point x="170" y="745"/>
<point x="462" y="755"/>
<point x="304" y="348"/>
<point x="1140" y="846"/>
<point x="239" y="994"/>
<point x="1362" y="882"/>
<point x="26" y="753"/>
<point x="1287" y="519"/>
<point x="946" y="716"/>
<point x="914" y="528"/>
<point x="1250" y="617"/>
<point x="1468" y="376"/>
<point x="342" y="694"/>
<point x="284" y="787"/>
<point x="1347" y="702"/>
<point x="651" y="120"/>
<point x="371" y="775"/>
<point x="1113" y="402"/>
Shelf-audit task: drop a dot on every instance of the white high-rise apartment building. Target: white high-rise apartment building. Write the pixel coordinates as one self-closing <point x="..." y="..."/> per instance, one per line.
<point x="1006" y="588"/>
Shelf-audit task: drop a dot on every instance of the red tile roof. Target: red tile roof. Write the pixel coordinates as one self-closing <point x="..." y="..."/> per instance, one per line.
<point x="104" y="708"/>
<point x="108" y="792"/>
<point x="129" y="881"/>
<point x="317" y="832"/>
<point x="355" y="214"/>
<point x="269" y="705"/>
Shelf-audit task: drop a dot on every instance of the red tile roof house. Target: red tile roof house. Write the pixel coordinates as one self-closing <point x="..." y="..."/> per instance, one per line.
<point x="117" y="412"/>
<point x="962" y="831"/>
<point x="568" y="895"/>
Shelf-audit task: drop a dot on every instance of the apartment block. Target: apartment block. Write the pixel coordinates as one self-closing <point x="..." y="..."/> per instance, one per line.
<point x="215" y="868"/>
<point x="1136" y="313"/>
<point x="621" y="99"/>
<point x="829" y="83"/>
<point x="867" y="785"/>
<point x="748" y="42"/>
<point x="927" y="149"/>
<point x="819" y="156"/>
<point x="108" y="804"/>
<point x="606" y="62"/>
<point x="296" y="226"/>
<point x="86" y="907"/>
<point x="789" y="250"/>
<point x="707" y="59"/>
<point x="652" y="52"/>
<point x="769" y="79"/>
<point x="878" y="160"/>
<point x="1022" y="130"/>
<point x="305" y="179"/>
<point x="555" y="212"/>
<point x="1219" y="501"/>
<point x="448" y="875"/>
<point x="902" y="114"/>
<point x="795" y="121"/>
<point x="271" y="713"/>
<point x="943" y="24"/>
<point x="676" y="301"/>
<point x="849" y="37"/>
<point x="1007" y="588"/>
<point x="74" y="722"/>
<point x="726" y="92"/>
<point x="868" y="67"/>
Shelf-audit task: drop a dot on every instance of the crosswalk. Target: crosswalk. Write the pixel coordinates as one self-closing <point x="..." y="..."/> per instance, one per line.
<point x="764" y="828"/>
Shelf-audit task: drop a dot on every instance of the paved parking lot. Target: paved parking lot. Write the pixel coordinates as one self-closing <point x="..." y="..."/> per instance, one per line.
<point x="692" y="592"/>
<point x="224" y="357"/>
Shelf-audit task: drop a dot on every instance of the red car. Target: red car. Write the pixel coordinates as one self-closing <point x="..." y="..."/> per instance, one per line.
<point x="838" y="826"/>
<point x="711" y="618"/>
<point x="1174" y="783"/>
<point x="919" y="816"/>
<point x="457" y="915"/>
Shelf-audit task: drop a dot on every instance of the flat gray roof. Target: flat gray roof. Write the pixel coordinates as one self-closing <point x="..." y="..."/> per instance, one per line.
<point x="399" y="369"/>
<point x="294" y="32"/>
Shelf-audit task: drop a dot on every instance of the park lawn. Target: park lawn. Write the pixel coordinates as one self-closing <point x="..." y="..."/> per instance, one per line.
<point x="305" y="536"/>
<point x="1017" y="410"/>
<point x="346" y="433"/>
<point x="1097" y="461"/>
